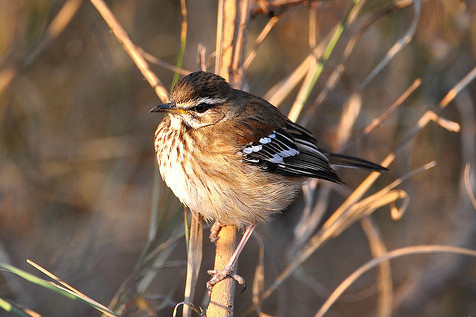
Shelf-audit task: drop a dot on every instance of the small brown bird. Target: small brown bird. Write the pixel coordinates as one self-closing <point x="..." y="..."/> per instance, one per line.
<point x="234" y="158"/>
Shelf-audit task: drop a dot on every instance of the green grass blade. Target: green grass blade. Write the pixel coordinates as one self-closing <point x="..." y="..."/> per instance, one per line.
<point x="298" y="105"/>
<point x="56" y="288"/>
<point x="5" y="305"/>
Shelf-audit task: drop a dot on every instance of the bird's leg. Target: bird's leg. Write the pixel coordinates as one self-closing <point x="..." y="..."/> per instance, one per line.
<point x="219" y="275"/>
<point x="215" y="230"/>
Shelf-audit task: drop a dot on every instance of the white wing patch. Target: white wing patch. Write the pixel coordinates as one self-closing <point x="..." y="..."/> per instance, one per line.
<point x="252" y="149"/>
<point x="290" y="150"/>
<point x="265" y="140"/>
<point x="270" y="149"/>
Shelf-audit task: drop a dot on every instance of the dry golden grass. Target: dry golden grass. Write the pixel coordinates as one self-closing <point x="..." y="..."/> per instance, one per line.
<point x="80" y="194"/>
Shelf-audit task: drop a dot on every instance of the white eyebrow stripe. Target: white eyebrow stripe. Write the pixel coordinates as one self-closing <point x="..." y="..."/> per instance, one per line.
<point x="207" y="100"/>
<point x="210" y="101"/>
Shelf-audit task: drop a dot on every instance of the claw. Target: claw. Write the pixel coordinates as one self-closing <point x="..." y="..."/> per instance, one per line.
<point x="215" y="231"/>
<point x="220" y="275"/>
<point x="227" y="271"/>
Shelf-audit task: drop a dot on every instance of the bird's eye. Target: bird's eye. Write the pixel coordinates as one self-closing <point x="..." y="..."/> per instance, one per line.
<point x="201" y="108"/>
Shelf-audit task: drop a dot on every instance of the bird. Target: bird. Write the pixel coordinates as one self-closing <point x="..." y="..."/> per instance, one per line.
<point x="234" y="158"/>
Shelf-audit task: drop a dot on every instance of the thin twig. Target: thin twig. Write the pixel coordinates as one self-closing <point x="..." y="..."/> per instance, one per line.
<point x="280" y="91"/>
<point x="457" y="88"/>
<point x="274" y="7"/>
<point x="398" y="46"/>
<point x="194" y="259"/>
<point x="223" y="293"/>
<point x="378" y="122"/>
<point x="350" y="113"/>
<point x="467" y="184"/>
<point x="259" y="40"/>
<point x="219" y="39"/>
<point x="318" y="239"/>
<point x="201" y="59"/>
<point x="131" y="49"/>
<point x="414" y="250"/>
<point x="336" y="35"/>
<point x="240" y="45"/>
<point x="339" y="69"/>
<point x="183" y="42"/>
<point x="55" y="28"/>
<point x="62" y="284"/>
<point x="378" y="248"/>
<point x="154" y="60"/>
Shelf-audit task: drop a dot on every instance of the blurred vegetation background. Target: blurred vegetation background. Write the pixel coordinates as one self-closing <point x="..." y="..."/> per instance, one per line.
<point x="77" y="160"/>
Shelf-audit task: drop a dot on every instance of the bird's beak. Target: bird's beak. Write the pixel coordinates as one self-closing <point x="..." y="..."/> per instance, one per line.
<point x="165" y="107"/>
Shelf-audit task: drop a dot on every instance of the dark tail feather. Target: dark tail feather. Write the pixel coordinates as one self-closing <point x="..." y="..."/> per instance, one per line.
<point x="353" y="162"/>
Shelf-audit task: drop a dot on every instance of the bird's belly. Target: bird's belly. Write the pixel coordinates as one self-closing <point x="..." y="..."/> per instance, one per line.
<point x="195" y="192"/>
<point x="176" y="178"/>
<point x="219" y="190"/>
<point x="236" y="204"/>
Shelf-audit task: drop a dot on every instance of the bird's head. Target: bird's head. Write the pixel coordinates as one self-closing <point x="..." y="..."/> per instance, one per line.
<point x="200" y="99"/>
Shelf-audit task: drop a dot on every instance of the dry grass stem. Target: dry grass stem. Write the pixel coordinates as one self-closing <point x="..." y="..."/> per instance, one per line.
<point x="154" y="60"/>
<point x="227" y="15"/>
<point x="385" y="284"/>
<point x="339" y="69"/>
<point x="397" y="47"/>
<point x="61" y="284"/>
<point x="316" y="71"/>
<point x="458" y="87"/>
<point x="308" y="225"/>
<point x="273" y="7"/>
<point x="296" y="108"/>
<point x="223" y="293"/>
<point x="315" y="68"/>
<point x="240" y="44"/>
<point x="183" y="39"/>
<point x="154" y="210"/>
<point x="17" y="310"/>
<point x="191" y="308"/>
<point x="414" y="250"/>
<point x="230" y="45"/>
<point x="77" y="156"/>
<point x="349" y="115"/>
<point x="467" y="184"/>
<point x="201" y="57"/>
<point x="55" y="28"/>
<point x="258" y="279"/>
<point x="351" y="210"/>
<point x="131" y="49"/>
<point x="259" y="40"/>
<point x="219" y="38"/>
<point x="281" y="90"/>
<point x="377" y="122"/>
<point x="194" y="260"/>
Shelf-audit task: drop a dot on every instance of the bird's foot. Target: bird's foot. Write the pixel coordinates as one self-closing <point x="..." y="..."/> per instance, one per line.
<point x="220" y="275"/>
<point x="215" y="231"/>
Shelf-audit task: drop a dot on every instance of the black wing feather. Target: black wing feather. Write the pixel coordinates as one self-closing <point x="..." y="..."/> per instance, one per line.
<point x="291" y="151"/>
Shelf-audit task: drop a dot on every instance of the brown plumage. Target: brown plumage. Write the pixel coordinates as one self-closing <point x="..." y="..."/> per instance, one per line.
<point x="232" y="156"/>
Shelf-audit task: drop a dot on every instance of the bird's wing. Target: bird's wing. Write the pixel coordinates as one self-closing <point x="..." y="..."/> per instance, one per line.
<point x="290" y="150"/>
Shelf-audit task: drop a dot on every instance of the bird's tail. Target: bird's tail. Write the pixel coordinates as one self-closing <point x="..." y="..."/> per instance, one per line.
<point x="353" y="162"/>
